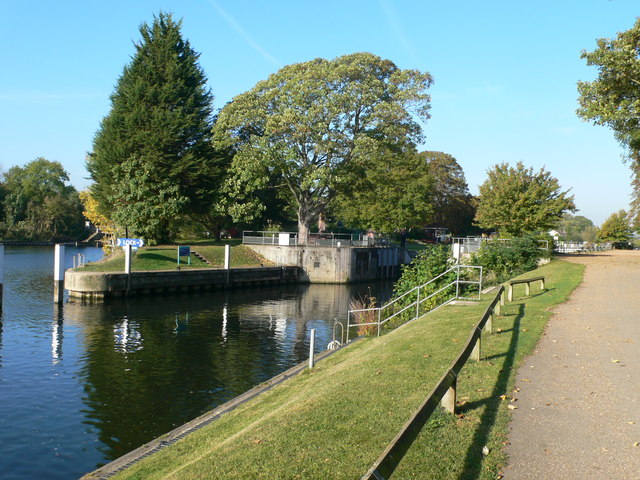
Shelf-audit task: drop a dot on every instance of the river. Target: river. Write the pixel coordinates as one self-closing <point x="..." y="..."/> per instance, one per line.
<point x="81" y="385"/>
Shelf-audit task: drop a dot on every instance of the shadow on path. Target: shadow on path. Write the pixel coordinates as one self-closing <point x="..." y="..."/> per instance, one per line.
<point x="474" y="459"/>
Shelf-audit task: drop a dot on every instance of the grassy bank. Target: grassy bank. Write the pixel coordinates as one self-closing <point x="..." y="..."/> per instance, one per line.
<point x="164" y="257"/>
<point x="335" y="420"/>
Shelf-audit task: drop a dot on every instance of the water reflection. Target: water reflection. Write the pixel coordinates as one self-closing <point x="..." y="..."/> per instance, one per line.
<point x="152" y="364"/>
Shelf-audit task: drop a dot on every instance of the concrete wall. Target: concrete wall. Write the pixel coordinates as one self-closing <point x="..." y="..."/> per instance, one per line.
<point x="97" y="285"/>
<point x="335" y="265"/>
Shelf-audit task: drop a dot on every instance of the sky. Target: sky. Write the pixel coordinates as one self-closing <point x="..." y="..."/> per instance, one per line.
<point x="504" y="72"/>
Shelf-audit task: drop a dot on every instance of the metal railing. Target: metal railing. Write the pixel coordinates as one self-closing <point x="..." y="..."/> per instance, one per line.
<point x="318" y="239"/>
<point x="418" y="301"/>
<point x="579" y="247"/>
<point x="473" y="244"/>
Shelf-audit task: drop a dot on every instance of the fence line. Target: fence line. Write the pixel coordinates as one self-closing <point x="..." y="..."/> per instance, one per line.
<point x="387" y="312"/>
<point x="443" y="393"/>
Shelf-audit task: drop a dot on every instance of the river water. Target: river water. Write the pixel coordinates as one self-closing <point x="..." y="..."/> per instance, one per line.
<point x="81" y="385"/>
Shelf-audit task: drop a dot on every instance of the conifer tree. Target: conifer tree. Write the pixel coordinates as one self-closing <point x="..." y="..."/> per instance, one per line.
<point x="152" y="159"/>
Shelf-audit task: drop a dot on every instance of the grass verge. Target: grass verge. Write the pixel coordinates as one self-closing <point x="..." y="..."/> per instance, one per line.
<point x="164" y="257"/>
<point x="335" y="420"/>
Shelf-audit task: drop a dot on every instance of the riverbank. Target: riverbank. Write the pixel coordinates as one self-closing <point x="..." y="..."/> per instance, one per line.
<point x="335" y="420"/>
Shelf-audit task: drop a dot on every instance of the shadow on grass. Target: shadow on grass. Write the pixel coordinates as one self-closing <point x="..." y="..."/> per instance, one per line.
<point x="473" y="460"/>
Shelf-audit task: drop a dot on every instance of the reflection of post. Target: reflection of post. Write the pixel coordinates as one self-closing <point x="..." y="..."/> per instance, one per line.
<point x="56" y="337"/>
<point x="58" y="274"/>
<point x="225" y="314"/>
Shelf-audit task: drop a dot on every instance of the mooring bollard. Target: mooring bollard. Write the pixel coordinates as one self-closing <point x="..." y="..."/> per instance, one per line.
<point x="58" y="274"/>
<point x="127" y="265"/>
<point x="312" y="342"/>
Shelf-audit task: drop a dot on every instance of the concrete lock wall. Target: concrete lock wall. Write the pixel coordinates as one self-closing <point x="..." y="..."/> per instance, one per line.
<point x="335" y="264"/>
<point x="97" y="285"/>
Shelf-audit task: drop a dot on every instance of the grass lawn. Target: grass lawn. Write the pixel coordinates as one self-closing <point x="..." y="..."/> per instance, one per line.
<point x="164" y="257"/>
<point x="335" y="420"/>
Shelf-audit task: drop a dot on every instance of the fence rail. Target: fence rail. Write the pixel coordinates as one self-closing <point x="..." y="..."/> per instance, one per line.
<point x="317" y="239"/>
<point x="421" y="305"/>
<point x="444" y="393"/>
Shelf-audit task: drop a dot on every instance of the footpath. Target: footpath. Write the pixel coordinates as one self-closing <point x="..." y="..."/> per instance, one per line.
<point x="578" y="395"/>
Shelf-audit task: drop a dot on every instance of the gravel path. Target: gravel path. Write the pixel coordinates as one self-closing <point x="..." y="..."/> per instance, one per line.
<point x="578" y="414"/>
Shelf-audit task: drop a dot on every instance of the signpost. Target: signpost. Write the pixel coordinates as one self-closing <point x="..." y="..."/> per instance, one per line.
<point x="134" y="242"/>
<point x="184" y="252"/>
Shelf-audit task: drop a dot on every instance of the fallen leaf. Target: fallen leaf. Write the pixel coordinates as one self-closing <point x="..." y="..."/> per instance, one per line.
<point x="635" y="444"/>
<point x="426" y="355"/>
<point x="525" y="329"/>
<point x="631" y="423"/>
<point x="503" y="397"/>
<point x="615" y="361"/>
<point x="526" y="380"/>
<point x="485" y="450"/>
<point x="257" y="441"/>
<point x="511" y="406"/>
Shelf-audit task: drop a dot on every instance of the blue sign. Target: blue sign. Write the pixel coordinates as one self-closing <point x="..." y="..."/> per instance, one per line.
<point x="134" y="242"/>
<point x="184" y="251"/>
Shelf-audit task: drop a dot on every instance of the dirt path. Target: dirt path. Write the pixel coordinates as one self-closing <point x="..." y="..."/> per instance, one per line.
<point x="578" y="413"/>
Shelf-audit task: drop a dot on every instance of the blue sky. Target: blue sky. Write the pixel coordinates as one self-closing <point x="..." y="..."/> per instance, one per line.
<point x="505" y="73"/>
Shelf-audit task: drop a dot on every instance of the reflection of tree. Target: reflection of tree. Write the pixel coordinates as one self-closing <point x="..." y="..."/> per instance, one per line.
<point x="152" y="364"/>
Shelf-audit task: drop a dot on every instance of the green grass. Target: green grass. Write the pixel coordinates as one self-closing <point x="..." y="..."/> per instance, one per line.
<point x="165" y="258"/>
<point x="335" y="420"/>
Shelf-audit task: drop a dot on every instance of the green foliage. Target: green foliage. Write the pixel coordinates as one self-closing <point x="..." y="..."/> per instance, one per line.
<point x="393" y="192"/>
<point x="425" y="267"/>
<point x="613" y="99"/>
<point x="453" y="205"/>
<point x="519" y="201"/>
<point x="159" y="128"/>
<point x="503" y="260"/>
<point x="577" y="229"/>
<point x="311" y="127"/>
<point x="39" y="205"/>
<point x="616" y="228"/>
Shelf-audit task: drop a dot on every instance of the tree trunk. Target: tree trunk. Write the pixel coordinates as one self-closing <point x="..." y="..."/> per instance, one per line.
<point x="305" y="218"/>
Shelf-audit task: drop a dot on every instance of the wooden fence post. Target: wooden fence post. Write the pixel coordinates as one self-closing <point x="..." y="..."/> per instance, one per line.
<point x="448" y="401"/>
<point x="477" y="349"/>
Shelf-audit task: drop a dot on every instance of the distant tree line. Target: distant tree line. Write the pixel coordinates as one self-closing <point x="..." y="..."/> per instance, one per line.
<point x="38" y="204"/>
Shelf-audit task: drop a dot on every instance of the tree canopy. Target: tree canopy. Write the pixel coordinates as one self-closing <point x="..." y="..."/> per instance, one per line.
<point x="152" y="158"/>
<point x="314" y="126"/>
<point x="453" y="205"/>
<point x="517" y="201"/>
<point x="577" y="228"/>
<point x="613" y="99"/>
<point x="39" y="204"/>
<point x="616" y="228"/>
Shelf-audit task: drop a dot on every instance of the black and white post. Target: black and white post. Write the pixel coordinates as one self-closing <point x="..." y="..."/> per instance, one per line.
<point x="58" y="275"/>
<point x="127" y="265"/>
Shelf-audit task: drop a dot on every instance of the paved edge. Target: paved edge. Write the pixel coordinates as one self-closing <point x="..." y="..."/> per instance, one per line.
<point x="169" y="438"/>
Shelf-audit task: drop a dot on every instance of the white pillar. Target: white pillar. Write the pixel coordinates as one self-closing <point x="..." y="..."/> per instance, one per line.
<point x="227" y="257"/>
<point x="312" y="344"/>
<point x="127" y="259"/>
<point x="58" y="274"/>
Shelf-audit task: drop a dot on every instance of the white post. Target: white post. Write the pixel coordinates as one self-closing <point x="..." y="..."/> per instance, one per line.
<point x="227" y="257"/>
<point x="127" y="259"/>
<point x="127" y="265"/>
<point x="58" y="274"/>
<point x="312" y="360"/>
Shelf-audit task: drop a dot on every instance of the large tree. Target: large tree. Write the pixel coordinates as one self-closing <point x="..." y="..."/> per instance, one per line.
<point x="391" y="193"/>
<point x="312" y="126"/>
<point x="616" y="228"/>
<point x="453" y="205"/>
<point x="613" y="99"/>
<point x="152" y="158"/>
<point x="518" y="201"/>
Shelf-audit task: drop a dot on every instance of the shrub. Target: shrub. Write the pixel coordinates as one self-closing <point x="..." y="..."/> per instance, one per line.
<point x="504" y="260"/>
<point x="371" y="316"/>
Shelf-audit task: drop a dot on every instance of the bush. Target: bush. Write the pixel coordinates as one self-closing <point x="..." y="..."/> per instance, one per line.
<point x="503" y="260"/>
<point x="427" y="265"/>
